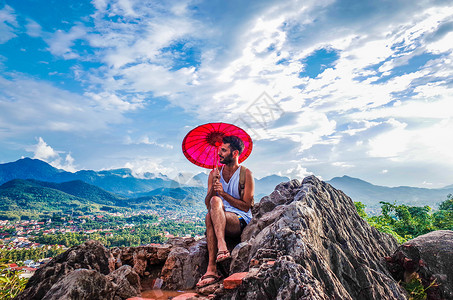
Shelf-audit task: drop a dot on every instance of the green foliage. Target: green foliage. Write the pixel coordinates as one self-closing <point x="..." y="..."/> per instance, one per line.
<point x="443" y="218"/>
<point x="10" y="283"/>
<point x="415" y="288"/>
<point x="407" y="222"/>
<point x="125" y="237"/>
<point x="35" y="254"/>
<point x="22" y="199"/>
<point x="360" y="207"/>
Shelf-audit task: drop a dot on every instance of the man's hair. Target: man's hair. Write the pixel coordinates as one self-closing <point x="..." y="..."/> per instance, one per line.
<point x="235" y="143"/>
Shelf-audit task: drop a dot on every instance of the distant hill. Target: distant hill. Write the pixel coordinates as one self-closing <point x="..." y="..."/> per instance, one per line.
<point x="119" y="181"/>
<point x="27" y="168"/>
<point x="86" y="191"/>
<point x="186" y="198"/>
<point x="266" y="185"/>
<point x="263" y="186"/>
<point x="20" y="197"/>
<point x="370" y="194"/>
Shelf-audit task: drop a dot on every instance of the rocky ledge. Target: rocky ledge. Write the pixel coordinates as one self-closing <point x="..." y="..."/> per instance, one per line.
<point x="305" y="241"/>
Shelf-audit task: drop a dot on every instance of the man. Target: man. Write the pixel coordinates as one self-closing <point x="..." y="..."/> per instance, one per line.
<point x="228" y="213"/>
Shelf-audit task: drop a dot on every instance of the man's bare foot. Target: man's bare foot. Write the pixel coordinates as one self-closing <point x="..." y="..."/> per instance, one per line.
<point x="208" y="279"/>
<point x="223" y="255"/>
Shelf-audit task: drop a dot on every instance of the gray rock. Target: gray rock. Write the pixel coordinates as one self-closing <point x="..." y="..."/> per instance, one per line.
<point x="318" y="228"/>
<point x="185" y="265"/>
<point x="428" y="257"/>
<point x="91" y="255"/>
<point x="126" y="282"/>
<point x="81" y="284"/>
<point x="285" y="279"/>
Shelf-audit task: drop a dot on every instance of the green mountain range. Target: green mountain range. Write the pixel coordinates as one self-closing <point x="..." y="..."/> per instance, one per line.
<point x="31" y="186"/>
<point x="370" y="194"/>
<point x="20" y="197"/>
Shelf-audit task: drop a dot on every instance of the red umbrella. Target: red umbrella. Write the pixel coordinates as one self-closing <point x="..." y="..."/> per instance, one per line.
<point x="201" y="145"/>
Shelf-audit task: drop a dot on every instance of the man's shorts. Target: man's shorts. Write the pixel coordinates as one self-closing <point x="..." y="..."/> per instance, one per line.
<point x="242" y="222"/>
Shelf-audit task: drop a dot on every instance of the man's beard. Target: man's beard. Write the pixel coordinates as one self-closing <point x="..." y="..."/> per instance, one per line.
<point x="227" y="160"/>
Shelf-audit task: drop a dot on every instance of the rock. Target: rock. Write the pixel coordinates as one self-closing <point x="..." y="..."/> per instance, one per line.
<point x="91" y="255"/>
<point x="428" y="257"/>
<point x="283" y="280"/>
<point x="318" y="241"/>
<point x="143" y="259"/>
<point x="81" y="284"/>
<point x="185" y="265"/>
<point x="240" y="257"/>
<point x="126" y="282"/>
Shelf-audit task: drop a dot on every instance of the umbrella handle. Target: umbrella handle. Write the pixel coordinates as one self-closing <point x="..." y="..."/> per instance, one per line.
<point x="216" y="165"/>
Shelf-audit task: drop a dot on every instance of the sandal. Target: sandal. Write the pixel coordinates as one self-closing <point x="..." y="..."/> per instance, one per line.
<point x="222" y="256"/>
<point x="215" y="278"/>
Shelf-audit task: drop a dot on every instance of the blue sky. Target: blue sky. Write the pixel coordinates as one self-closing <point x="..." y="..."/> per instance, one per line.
<point x="329" y="88"/>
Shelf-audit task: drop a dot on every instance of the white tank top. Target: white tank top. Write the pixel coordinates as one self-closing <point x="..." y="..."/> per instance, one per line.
<point x="232" y="188"/>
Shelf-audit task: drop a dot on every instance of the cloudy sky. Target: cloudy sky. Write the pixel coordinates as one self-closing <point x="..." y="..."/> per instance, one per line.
<point x="362" y="88"/>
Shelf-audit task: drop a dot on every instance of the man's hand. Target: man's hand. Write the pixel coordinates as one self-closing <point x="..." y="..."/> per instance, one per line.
<point x="218" y="188"/>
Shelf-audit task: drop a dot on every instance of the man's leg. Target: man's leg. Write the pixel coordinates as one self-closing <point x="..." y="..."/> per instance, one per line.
<point x="223" y="223"/>
<point x="211" y="240"/>
<point x="217" y="220"/>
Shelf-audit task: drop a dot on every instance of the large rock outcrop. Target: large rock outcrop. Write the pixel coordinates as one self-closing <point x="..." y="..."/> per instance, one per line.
<point x="91" y="271"/>
<point x="91" y="255"/>
<point x="319" y="247"/>
<point x="428" y="258"/>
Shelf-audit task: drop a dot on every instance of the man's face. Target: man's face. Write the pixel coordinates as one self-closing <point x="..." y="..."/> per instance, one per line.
<point x="225" y="154"/>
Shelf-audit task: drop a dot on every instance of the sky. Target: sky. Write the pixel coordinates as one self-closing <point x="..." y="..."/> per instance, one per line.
<point x="325" y="88"/>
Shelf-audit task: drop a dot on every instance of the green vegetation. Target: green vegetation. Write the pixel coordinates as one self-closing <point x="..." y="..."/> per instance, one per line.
<point x="11" y="284"/>
<point x="134" y="236"/>
<point x="407" y="222"/>
<point x="415" y="288"/>
<point x="32" y="199"/>
<point x="15" y="255"/>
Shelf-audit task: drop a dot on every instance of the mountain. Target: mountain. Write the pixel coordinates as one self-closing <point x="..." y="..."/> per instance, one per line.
<point x="119" y="181"/>
<point x="266" y="185"/>
<point x="84" y="190"/>
<point x="27" y="168"/>
<point x="24" y="197"/>
<point x="20" y="197"/>
<point x="371" y="195"/>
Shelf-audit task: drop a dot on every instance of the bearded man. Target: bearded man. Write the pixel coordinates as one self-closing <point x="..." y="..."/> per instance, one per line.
<point x="229" y="206"/>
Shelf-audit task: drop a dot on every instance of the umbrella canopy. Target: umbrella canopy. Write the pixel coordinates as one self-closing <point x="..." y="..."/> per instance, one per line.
<point x="201" y="145"/>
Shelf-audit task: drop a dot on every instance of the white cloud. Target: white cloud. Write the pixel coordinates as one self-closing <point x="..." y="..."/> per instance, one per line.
<point x="60" y="42"/>
<point x="112" y="102"/>
<point x="46" y="153"/>
<point x="391" y="143"/>
<point x="342" y="164"/>
<point x="45" y="107"/>
<point x="146" y="140"/>
<point x="8" y="24"/>
<point x="33" y="28"/>
<point x="140" y="167"/>
<point x="43" y="151"/>
<point x="297" y="172"/>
